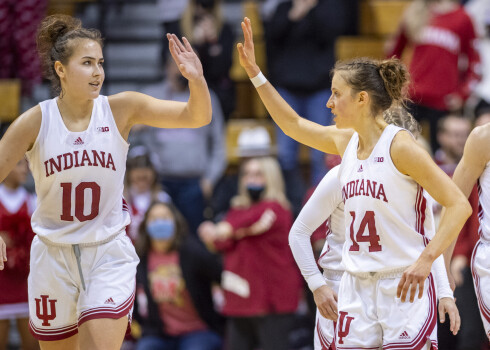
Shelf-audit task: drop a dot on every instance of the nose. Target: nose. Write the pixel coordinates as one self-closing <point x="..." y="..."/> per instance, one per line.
<point x="330" y="103"/>
<point x="98" y="70"/>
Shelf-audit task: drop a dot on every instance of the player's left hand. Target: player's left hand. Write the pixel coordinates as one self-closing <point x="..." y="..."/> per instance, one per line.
<point x="448" y="305"/>
<point x="189" y="64"/>
<point x="413" y="277"/>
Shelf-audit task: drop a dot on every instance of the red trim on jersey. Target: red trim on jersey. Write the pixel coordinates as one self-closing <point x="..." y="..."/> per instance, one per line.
<point x="107" y="312"/>
<point x="322" y="337"/>
<point x="420" y="207"/>
<point x="484" y="309"/>
<point x="52" y="334"/>
<point x="480" y="209"/>
<point x="421" y="338"/>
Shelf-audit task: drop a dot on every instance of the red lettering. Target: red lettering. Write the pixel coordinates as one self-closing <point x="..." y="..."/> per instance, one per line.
<point x="68" y="164"/>
<point x="343" y="331"/>
<point x="100" y="159"/>
<point x="110" y="161"/>
<point x="381" y="192"/>
<point x="46" y="315"/>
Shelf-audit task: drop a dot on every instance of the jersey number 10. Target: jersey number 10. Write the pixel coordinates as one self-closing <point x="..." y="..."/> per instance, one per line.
<point x="66" y="214"/>
<point x="372" y="236"/>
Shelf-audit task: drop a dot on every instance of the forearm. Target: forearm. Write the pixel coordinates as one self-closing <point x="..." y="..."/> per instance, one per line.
<point x="442" y="283"/>
<point x="198" y="109"/>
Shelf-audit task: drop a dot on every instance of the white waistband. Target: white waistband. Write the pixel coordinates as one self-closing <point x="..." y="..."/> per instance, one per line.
<point x="90" y="244"/>
<point x="394" y="273"/>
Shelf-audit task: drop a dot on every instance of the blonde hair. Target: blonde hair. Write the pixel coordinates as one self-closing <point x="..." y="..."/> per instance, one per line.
<point x="187" y="20"/>
<point x="274" y="187"/>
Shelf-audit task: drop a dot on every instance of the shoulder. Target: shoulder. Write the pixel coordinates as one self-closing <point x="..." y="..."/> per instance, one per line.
<point x="406" y="153"/>
<point x="478" y="141"/>
<point x="29" y="123"/>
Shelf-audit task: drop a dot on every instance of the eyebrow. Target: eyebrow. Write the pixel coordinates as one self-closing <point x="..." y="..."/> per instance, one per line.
<point x="91" y="58"/>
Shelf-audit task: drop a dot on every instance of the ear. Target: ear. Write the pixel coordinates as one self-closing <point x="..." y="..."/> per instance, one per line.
<point x="363" y="98"/>
<point x="59" y="69"/>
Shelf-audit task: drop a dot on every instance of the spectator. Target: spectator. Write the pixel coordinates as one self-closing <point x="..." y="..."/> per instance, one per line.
<point x="16" y="207"/>
<point x="300" y="38"/>
<point x="453" y="130"/>
<point x="174" y="302"/>
<point x="442" y="36"/>
<point x="262" y="285"/>
<point x="142" y="188"/>
<point x="213" y="39"/>
<point x="189" y="179"/>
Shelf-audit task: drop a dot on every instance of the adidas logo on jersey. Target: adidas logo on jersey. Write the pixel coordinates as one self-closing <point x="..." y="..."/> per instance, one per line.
<point x="404" y="335"/>
<point x="78" y="141"/>
<point x="360" y="169"/>
<point x="110" y="301"/>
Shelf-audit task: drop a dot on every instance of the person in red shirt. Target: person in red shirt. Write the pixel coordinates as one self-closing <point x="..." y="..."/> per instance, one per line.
<point x="261" y="281"/>
<point x="16" y="207"/>
<point x="442" y="36"/>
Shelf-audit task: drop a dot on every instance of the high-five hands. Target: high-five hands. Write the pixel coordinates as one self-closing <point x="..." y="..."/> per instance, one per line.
<point x="189" y="64"/>
<point x="246" y="51"/>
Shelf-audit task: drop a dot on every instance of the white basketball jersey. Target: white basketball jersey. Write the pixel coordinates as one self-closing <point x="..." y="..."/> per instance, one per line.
<point x="79" y="177"/>
<point x="331" y="255"/>
<point x="385" y="211"/>
<point x="484" y="203"/>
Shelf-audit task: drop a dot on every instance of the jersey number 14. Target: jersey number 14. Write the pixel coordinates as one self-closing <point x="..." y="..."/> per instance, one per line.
<point x="372" y="236"/>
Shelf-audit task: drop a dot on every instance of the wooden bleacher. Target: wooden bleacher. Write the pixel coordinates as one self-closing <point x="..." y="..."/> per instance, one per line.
<point x="67" y="7"/>
<point x="378" y="20"/>
<point x="9" y="100"/>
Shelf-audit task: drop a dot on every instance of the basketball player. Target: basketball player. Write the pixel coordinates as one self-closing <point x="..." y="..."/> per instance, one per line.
<point x="326" y="203"/>
<point x="82" y="279"/>
<point x="473" y="167"/>
<point x="383" y="175"/>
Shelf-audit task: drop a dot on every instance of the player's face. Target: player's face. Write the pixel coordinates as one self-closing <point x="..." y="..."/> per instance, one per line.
<point x="84" y="72"/>
<point x="252" y="174"/>
<point x="341" y="102"/>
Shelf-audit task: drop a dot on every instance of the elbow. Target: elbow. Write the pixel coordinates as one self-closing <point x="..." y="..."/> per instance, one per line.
<point x="466" y="209"/>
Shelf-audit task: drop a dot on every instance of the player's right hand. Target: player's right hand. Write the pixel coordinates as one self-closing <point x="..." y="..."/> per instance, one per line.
<point x="246" y="51"/>
<point x="326" y="302"/>
<point x="448" y="305"/>
<point x="3" y="253"/>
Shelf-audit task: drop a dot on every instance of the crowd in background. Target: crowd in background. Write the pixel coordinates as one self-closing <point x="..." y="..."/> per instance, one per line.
<point x="216" y="270"/>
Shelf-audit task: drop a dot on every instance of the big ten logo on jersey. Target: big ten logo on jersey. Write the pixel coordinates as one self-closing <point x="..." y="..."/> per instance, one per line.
<point x="103" y="129"/>
<point x="43" y="311"/>
<point x="343" y="326"/>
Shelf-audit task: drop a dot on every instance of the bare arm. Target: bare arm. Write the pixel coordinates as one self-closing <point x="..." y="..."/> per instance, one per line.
<point x="327" y="139"/>
<point x="471" y="167"/>
<point x="18" y="139"/>
<point x="132" y="108"/>
<point x="412" y="160"/>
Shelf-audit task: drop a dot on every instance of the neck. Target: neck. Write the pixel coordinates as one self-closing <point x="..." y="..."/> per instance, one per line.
<point x="11" y="185"/>
<point x="369" y="131"/>
<point x="74" y="109"/>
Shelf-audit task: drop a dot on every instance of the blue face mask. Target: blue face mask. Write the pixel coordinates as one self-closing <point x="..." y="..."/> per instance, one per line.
<point x="161" y="229"/>
<point x="255" y="191"/>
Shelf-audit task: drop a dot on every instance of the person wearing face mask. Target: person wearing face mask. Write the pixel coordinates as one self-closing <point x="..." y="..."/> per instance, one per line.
<point x="174" y="303"/>
<point x="261" y="283"/>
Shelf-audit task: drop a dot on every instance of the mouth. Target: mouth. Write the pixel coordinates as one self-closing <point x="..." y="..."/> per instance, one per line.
<point x="95" y="84"/>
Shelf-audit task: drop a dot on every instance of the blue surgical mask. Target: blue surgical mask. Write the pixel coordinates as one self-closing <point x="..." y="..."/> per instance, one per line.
<point x="161" y="229"/>
<point x="255" y="192"/>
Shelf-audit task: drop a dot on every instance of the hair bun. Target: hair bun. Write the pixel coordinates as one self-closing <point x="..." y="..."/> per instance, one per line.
<point x="395" y="77"/>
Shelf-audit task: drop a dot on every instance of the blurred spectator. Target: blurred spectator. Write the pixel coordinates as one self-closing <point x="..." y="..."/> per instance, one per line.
<point x="212" y="38"/>
<point x="300" y="38"/>
<point x="16" y="207"/>
<point x="444" y="65"/>
<point x="452" y="132"/>
<point x="190" y="161"/>
<point x="171" y="12"/>
<point x="261" y="282"/>
<point x="174" y="303"/>
<point x="142" y="188"/>
<point x="18" y="55"/>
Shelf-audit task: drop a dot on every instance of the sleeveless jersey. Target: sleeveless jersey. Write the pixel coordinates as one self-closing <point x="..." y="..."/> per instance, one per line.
<point x="484" y="203"/>
<point x="79" y="177"/>
<point x="385" y="211"/>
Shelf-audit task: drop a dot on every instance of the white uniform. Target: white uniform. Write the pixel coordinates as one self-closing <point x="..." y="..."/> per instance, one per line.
<point x="326" y="203"/>
<point x="80" y="212"/>
<point x="385" y="215"/>
<point x="480" y="261"/>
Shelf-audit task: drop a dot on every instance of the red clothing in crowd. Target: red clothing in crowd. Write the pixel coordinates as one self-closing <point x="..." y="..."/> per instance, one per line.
<point x="262" y="266"/>
<point x="15" y="227"/>
<point x="434" y="67"/>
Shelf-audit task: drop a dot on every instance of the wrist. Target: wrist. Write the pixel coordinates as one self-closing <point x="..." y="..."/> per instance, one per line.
<point x="258" y="80"/>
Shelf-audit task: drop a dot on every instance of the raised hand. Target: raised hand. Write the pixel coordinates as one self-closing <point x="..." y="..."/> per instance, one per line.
<point x="246" y="51"/>
<point x="189" y="64"/>
<point x="448" y="305"/>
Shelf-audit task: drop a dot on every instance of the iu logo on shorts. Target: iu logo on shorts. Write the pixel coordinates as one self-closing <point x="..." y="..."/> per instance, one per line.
<point x="48" y="314"/>
<point x="343" y="331"/>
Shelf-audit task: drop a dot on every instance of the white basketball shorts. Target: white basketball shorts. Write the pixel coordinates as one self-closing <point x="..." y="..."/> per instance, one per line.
<point x="58" y="304"/>
<point x="480" y="268"/>
<point x="325" y="328"/>
<point x="372" y="317"/>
